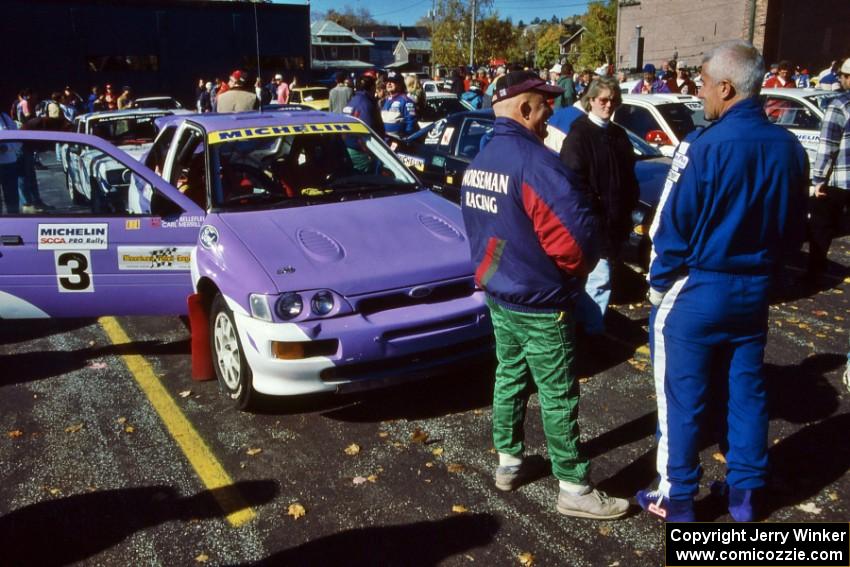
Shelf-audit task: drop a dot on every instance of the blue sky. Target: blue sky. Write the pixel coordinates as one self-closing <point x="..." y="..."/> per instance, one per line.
<point x="406" y="12"/>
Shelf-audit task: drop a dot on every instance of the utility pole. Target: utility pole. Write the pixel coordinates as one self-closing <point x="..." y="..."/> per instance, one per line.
<point x="472" y="38"/>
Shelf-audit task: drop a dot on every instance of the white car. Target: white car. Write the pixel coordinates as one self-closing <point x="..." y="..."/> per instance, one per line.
<point x="158" y="103"/>
<point x="439" y="105"/>
<point x="661" y="119"/>
<point x="133" y="131"/>
<point x="801" y="111"/>
<point x="435" y="86"/>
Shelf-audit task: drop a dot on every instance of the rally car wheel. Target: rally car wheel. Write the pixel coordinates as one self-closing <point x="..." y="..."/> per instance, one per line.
<point x="231" y="368"/>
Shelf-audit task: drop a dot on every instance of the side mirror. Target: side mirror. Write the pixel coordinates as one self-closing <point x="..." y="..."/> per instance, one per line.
<point x="658" y="137"/>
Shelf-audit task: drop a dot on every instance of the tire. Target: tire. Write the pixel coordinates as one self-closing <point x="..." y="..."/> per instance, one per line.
<point x="231" y="368"/>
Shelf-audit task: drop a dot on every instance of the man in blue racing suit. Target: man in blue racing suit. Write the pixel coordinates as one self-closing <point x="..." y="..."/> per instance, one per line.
<point x="733" y="206"/>
<point x="399" y="111"/>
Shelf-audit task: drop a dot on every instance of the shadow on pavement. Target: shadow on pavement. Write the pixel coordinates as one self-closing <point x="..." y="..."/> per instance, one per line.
<point x="801" y="393"/>
<point x="421" y="543"/>
<point x="25" y="367"/>
<point x="24" y="330"/>
<point x="70" y="529"/>
<point x="806" y="462"/>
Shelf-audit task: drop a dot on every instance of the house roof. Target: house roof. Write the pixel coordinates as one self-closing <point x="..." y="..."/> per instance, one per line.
<point x="341" y="64"/>
<point x="416" y="44"/>
<point x="327" y="28"/>
<point x="576" y="33"/>
<point x="392" y="32"/>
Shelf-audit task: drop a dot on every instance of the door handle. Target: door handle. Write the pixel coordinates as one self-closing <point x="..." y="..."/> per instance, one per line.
<point x="11" y="240"/>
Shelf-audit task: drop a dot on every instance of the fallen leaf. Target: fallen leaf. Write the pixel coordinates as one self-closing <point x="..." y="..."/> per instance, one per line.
<point x="526" y="559"/>
<point x="396" y="443"/>
<point x="820" y="313"/>
<point x="832" y="496"/>
<point x="418" y="436"/>
<point x="372" y="478"/>
<point x="429" y="464"/>
<point x="185" y="393"/>
<point x="253" y="451"/>
<point x="639" y="552"/>
<point x="437" y="451"/>
<point x="838" y="318"/>
<point x="584" y="380"/>
<point x="605" y="530"/>
<point x="478" y="412"/>
<point x="455" y="468"/>
<point x="383" y="434"/>
<point x="459" y="509"/>
<point x="778" y="323"/>
<point x="122" y="420"/>
<point x="614" y="564"/>
<point x="129" y="429"/>
<point x="804" y="326"/>
<point x="296" y="510"/>
<point x="96" y="365"/>
<point x="15" y="433"/>
<point x="73" y="428"/>
<point x="637" y="365"/>
<point x="809" y="508"/>
<point x="820" y="335"/>
<point x="55" y="491"/>
<point x="202" y="558"/>
<point x="359" y="479"/>
<point x="719" y="457"/>
<point x="775" y="441"/>
<point x="352" y="449"/>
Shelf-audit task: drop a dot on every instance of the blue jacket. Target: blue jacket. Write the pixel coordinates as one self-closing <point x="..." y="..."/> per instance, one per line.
<point x="402" y="108"/>
<point x="364" y="106"/>
<point x="473" y="97"/>
<point x="734" y="200"/>
<point x="531" y="231"/>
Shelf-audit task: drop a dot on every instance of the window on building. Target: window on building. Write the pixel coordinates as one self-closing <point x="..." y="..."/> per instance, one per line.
<point x="419" y="58"/>
<point x="356" y="53"/>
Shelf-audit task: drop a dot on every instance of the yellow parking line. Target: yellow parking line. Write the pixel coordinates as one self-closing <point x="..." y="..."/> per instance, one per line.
<point x="196" y="450"/>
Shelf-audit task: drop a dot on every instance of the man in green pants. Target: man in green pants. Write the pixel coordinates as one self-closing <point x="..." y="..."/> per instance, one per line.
<point x="532" y="236"/>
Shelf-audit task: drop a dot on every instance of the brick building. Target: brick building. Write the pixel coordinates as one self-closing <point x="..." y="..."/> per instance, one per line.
<point x="809" y="33"/>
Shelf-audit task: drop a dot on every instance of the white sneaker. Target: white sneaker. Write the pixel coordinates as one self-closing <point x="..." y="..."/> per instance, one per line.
<point x="595" y="504"/>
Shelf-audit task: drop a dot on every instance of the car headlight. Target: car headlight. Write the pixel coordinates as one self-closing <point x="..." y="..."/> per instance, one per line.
<point x="260" y="307"/>
<point x="322" y="303"/>
<point x="289" y="306"/>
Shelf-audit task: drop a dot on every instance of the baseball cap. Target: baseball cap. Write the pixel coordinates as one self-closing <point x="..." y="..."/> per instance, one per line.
<point x="556" y="68"/>
<point x="845" y="67"/>
<point x="237" y="76"/>
<point x="393" y="77"/>
<point x="278" y="77"/>
<point x="518" y="82"/>
<point x="370" y="73"/>
<point x="649" y="68"/>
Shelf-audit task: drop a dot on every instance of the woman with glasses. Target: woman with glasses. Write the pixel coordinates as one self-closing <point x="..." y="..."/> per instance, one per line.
<point x="600" y="154"/>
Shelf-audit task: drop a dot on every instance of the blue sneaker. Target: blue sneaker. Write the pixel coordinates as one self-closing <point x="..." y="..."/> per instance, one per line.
<point x="740" y="501"/>
<point x="670" y="510"/>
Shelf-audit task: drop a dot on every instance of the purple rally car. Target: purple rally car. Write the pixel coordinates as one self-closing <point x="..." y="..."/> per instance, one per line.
<point x="313" y="259"/>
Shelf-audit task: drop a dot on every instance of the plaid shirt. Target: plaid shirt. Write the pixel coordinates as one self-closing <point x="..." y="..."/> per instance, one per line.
<point x="834" y="145"/>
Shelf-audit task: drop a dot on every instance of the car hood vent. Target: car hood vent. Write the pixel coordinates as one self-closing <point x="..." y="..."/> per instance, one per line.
<point x="440" y="228"/>
<point x="319" y="245"/>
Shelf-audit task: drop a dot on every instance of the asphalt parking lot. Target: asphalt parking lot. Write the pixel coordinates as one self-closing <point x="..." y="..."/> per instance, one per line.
<point x="111" y="455"/>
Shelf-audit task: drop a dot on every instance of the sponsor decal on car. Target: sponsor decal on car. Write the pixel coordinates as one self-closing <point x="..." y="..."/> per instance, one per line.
<point x="73" y="236"/>
<point x="273" y="131"/>
<point x="447" y="137"/>
<point x="132" y="224"/>
<point x="416" y="163"/>
<point x="208" y="236"/>
<point x="168" y="258"/>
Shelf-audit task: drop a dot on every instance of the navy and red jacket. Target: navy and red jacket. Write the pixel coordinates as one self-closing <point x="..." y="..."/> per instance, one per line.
<point x="532" y="232"/>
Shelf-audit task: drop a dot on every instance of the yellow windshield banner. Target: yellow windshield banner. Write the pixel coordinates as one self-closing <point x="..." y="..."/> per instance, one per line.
<point x="296" y="129"/>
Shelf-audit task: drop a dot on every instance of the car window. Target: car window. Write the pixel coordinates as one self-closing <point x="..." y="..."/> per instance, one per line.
<point x="637" y="119"/>
<point x="128" y="130"/>
<point x="474" y="134"/>
<point x="822" y="100"/>
<point x="294" y="96"/>
<point x="65" y="179"/>
<point x="324" y="163"/>
<point x="790" y="113"/>
<point x="679" y="117"/>
<point x="436" y="108"/>
<point x="159" y="150"/>
<point x="315" y="94"/>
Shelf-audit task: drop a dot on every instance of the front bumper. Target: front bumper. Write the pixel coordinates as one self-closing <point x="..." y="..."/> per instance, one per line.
<point x="374" y="350"/>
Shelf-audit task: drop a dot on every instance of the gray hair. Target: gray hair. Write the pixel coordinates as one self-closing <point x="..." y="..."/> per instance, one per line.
<point x="739" y="63"/>
<point x="598" y="85"/>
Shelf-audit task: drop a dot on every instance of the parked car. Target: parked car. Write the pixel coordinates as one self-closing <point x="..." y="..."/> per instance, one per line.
<point x="314" y="97"/>
<point x="92" y="176"/>
<point x="435" y="86"/>
<point x="662" y="120"/>
<point x="315" y="261"/>
<point x="158" y="102"/>
<point x="799" y="110"/>
<point x="440" y="153"/>
<point x="440" y="105"/>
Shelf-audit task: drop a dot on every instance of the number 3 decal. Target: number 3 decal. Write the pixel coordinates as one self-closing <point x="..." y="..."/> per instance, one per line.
<point x="73" y="271"/>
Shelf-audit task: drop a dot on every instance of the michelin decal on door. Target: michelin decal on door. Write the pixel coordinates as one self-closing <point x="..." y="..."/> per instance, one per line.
<point x="93" y="236"/>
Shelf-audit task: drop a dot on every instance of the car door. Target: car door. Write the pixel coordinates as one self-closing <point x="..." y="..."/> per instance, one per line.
<point x="62" y="256"/>
<point x="473" y="134"/>
<point x="645" y="124"/>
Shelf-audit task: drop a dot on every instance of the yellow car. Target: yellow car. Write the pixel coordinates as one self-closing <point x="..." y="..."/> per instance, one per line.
<point x="315" y="97"/>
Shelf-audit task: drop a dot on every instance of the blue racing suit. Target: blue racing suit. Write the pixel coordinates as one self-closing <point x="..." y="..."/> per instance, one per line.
<point x="733" y="205"/>
<point x="399" y="114"/>
<point x="364" y="106"/>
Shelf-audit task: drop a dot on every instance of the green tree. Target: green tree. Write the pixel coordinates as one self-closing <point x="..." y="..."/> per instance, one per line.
<point x="598" y="42"/>
<point x="494" y="39"/>
<point x="452" y="29"/>
<point x="350" y="18"/>
<point x="548" y="46"/>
